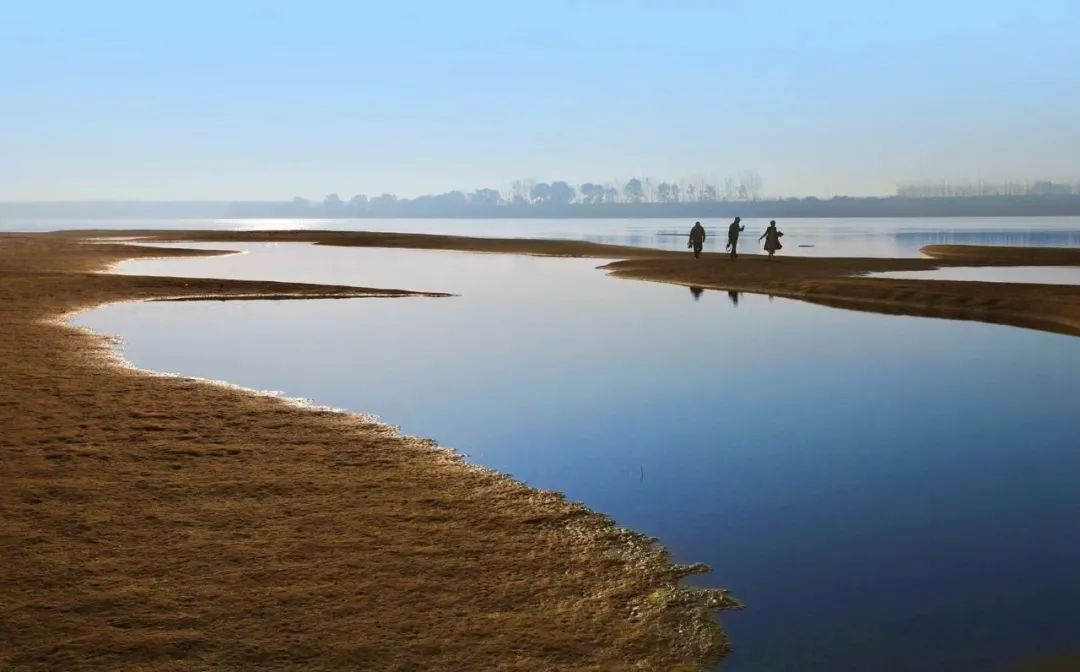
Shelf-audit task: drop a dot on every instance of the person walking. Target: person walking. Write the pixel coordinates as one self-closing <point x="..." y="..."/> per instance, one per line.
<point x="772" y="239"/>
<point x="733" y="238"/>
<point x="697" y="239"/>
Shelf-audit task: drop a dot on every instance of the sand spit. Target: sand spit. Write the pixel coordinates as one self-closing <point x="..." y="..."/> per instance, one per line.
<point x="837" y="282"/>
<point x="159" y="522"/>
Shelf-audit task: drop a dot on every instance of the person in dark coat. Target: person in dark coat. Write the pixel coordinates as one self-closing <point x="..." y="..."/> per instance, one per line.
<point x="772" y="239"/>
<point x="733" y="238"/>
<point x="697" y="239"/>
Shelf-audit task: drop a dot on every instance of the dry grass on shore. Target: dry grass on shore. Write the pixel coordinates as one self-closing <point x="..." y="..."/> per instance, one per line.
<point x="155" y="522"/>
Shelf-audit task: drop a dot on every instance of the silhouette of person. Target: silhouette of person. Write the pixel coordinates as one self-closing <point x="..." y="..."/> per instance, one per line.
<point x="734" y="296"/>
<point x="733" y="237"/>
<point x="696" y="291"/>
<point x="697" y="239"/>
<point x="772" y="238"/>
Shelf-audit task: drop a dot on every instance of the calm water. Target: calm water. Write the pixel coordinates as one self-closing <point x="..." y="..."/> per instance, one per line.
<point x="882" y="237"/>
<point x="1054" y="275"/>
<point x="883" y="492"/>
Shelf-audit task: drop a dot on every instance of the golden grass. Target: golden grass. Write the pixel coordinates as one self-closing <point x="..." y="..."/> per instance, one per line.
<point x="151" y="522"/>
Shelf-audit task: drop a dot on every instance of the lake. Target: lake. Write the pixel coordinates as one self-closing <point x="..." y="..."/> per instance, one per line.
<point x="882" y="492"/>
<point x="836" y="237"/>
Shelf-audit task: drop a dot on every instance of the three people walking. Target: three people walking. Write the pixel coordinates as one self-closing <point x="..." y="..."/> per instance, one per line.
<point x="771" y="237"/>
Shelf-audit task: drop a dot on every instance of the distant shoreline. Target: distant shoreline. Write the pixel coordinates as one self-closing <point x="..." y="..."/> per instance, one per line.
<point x="431" y="208"/>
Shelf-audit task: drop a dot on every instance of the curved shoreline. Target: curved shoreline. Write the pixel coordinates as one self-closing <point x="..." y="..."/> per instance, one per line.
<point x="157" y="520"/>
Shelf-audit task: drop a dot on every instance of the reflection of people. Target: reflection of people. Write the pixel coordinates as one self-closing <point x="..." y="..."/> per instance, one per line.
<point x="772" y="238"/>
<point x="696" y="291"/>
<point x="734" y="296"/>
<point x="733" y="237"/>
<point x="697" y="239"/>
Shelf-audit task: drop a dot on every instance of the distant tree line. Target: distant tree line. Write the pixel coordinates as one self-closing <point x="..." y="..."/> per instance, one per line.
<point x="838" y="206"/>
<point x="945" y="189"/>
<point x="636" y="197"/>
<point x="646" y="197"/>
<point x="532" y="194"/>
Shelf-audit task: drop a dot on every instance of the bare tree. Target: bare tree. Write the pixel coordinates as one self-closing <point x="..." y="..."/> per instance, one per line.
<point x="591" y="194"/>
<point x="731" y="190"/>
<point x="522" y="190"/>
<point x="663" y="192"/>
<point x="750" y="188"/>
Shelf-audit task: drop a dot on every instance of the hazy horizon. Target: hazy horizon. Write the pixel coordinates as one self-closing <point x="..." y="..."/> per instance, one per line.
<point x="267" y="100"/>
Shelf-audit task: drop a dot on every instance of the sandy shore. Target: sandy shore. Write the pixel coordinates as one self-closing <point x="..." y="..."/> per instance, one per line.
<point x="156" y="522"/>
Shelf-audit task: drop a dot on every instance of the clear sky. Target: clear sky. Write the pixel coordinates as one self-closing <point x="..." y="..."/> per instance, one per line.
<point x="270" y="99"/>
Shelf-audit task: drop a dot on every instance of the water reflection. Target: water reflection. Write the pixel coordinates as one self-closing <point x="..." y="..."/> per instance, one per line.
<point x="734" y="296"/>
<point x="883" y="492"/>
<point x="697" y="292"/>
<point x="1018" y="237"/>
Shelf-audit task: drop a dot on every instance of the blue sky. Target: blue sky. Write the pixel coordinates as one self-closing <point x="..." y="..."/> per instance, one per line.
<point x="272" y="99"/>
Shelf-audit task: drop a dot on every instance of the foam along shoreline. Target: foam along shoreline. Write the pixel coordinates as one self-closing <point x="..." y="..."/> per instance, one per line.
<point x="834" y="281"/>
<point x="158" y="520"/>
